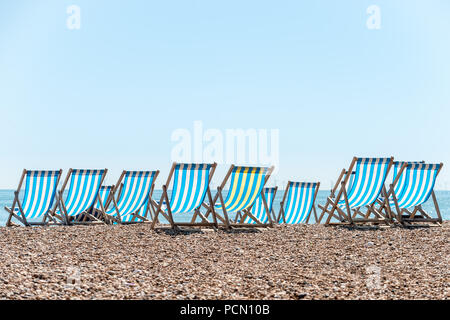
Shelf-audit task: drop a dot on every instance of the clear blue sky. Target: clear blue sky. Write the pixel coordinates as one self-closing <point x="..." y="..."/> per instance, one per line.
<point x="111" y="94"/>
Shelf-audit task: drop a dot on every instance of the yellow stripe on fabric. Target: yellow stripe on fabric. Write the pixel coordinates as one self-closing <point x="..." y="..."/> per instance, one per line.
<point x="255" y="192"/>
<point x="241" y="203"/>
<point x="246" y="177"/>
<point x="234" y="187"/>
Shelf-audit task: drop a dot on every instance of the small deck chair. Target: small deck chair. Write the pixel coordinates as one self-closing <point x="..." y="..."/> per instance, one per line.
<point x="413" y="185"/>
<point x="38" y="199"/>
<point x="102" y="202"/>
<point x="301" y="197"/>
<point x="103" y="195"/>
<point x="190" y="188"/>
<point x="368" y="185"/>
<point x="129" y="198"/>
<point x="258" y="210"/>
<point x="83" y="193"/>
<point x="246" y="186"/>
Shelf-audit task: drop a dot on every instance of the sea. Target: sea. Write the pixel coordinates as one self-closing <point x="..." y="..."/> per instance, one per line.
<point x="443" y="198"/>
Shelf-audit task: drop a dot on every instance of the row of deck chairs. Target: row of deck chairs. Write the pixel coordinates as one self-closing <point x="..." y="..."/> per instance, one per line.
<point x="83" y="199"/>
<point x="361" y="197"/>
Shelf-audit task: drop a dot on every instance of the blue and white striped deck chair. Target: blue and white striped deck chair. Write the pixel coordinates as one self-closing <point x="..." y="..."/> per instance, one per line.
<point x="367" y="187"/>
<point x="190" y="188"/>
<point x="246" y="186"/>
<point x="300" y="201"/>
<point x="258" y="211"/>
<point x="83" y="192"/>
<point x="134" y="194"/>
<point x="414" y="187"/>
<point x="38" y="199"/>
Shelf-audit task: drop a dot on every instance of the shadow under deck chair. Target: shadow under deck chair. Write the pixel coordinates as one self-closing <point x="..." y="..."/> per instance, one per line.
<point x="301" y="197"/>
<point x="258" y="210"/>
<point x="413" y="186"/>
<point x="84" y="186"/>
<point x="38" y="199"/>
<point x="190" y="188"/>
<point x="128" y="199"/>
<point x="368" y="185"/>
<point x="246" y="186"/>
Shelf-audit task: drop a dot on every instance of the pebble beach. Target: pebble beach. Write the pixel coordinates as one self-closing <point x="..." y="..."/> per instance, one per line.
<point x="285" y="262"/>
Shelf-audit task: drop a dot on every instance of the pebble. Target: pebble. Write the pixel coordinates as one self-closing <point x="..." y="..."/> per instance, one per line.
<point x="285" y="262"/>
<point x="369" y="244"/>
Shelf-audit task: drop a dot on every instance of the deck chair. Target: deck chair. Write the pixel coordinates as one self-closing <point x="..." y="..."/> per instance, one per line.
<point x="413" y="186"/>
<point x="301" y="197"/>
<point x="258" y="210"/>
<point x="246" y="186"/>
<point x="367" y="186"/>
<point x="83" y="193"/>
<point x="38" y="199"/>
<point x="190" y="188"/>
<point x="126" y="200"/>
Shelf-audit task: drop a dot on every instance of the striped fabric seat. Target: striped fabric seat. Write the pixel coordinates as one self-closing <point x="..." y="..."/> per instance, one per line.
<point x="39" y="196"/>
<point x="134" y="194"/>
<point x="83" y="190"/>
<point x="415" y="184"/>
<point x="190" y="183"/>
<point x="370" y="176"/>
<point x="258" y="209"/>
<point x="246" y="185"/>
<point x="300" y="201"/>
